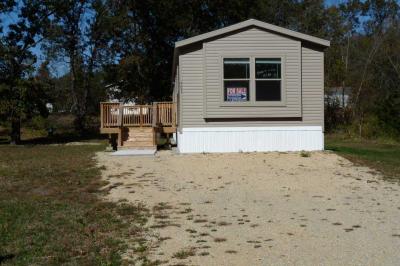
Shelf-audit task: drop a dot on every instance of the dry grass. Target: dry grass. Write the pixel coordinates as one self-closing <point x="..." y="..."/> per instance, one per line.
<point x="185" y="253"/>
<point x="231" y="251"/>
<point x="200" y="221"/>
<point x="305" y="154"/>
<point x="51" y="212"/>
<point x="223" y="223"/>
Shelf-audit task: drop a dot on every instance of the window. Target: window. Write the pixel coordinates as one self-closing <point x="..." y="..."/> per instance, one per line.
<point x="268" y="79"/>
<point x="253" y="80"/>
<point x="236" y="79"/>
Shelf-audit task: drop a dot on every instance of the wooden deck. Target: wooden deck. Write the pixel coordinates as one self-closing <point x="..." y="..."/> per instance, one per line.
<point x="136" y="125"/>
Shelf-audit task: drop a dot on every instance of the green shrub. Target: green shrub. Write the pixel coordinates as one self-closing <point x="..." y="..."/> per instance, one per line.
<point x="38" y="123"/>
<point x="373" y="128"/>
<point x="305" y="154"/>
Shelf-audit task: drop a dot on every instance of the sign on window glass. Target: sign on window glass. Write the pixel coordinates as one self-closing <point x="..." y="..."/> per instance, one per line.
<point x="236" y="94"/>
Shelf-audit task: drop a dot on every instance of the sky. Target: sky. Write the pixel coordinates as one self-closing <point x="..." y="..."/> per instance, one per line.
<point x="10" y="18"/>
<point x="334" y="2"/>
<point x="61" y="69"/>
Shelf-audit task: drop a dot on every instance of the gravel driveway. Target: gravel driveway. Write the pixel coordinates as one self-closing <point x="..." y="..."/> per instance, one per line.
<point x="261" y="208"/>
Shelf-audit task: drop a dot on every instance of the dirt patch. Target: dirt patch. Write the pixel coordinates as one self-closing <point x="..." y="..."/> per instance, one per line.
<point x="261" y="208"/>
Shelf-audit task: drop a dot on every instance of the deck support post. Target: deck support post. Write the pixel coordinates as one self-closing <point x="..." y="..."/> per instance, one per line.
<point x="120" y="137"/>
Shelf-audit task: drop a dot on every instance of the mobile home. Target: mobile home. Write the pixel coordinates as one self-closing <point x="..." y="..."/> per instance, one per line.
<point x="249" y="87"/>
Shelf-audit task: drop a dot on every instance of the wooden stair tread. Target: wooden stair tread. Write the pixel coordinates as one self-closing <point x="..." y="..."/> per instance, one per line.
<point x="138" y="143"/>
<point x="141" y="134"/>
<point x="133" y="137"/>
<point x="140" y="130"/>
<point x="139" y="140"/>
<point x="136" y="147"/>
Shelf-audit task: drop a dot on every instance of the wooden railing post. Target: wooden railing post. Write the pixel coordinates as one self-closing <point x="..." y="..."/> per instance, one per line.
<point x="120" y="114"/>
<point x="173" y="114"/>
<point x="140" y="116"/>
<point x="101" y="116"/>
<point x="154" y="115"/>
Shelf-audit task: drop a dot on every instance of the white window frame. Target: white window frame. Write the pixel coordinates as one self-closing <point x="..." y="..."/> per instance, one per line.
<point x="252" y="90"/>
<point x="267" y="79"/>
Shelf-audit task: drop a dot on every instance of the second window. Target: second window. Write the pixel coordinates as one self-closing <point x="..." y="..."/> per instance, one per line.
<point x="268" y="79"/>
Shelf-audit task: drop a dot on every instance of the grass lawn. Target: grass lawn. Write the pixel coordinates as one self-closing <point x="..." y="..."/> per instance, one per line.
<point x="51" y="212"/>
<point x="382" y="157"/>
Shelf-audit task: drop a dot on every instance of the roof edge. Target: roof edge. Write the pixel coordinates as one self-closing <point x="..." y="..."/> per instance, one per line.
<point x="253" y="22"/>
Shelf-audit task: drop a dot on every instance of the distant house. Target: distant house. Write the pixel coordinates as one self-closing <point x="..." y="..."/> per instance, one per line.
<point x="251" y="86"/>
<point x="340" y="95"/>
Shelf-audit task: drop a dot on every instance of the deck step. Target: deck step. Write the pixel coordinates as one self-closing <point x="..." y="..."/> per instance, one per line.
<point x="138" y="143"/>
<point x="140" y="140"/>
<point x="138" y="137"/>
<point x="137" y="147"/>
<point x="135" y="152"/>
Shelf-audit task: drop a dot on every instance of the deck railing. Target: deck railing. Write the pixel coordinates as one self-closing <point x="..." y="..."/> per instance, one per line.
<point x="109" y="114"/>
<point x="166" y="113"/>
<point x="137" y="115"/>
<point x="152" y="115"/>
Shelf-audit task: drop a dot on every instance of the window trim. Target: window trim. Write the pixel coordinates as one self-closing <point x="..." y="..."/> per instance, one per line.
<point x="252" y="86"/>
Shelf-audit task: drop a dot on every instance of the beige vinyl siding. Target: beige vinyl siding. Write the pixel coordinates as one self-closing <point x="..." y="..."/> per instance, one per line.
<point x="258" y="43"/>
<point x="313" y="85"/>
<point x="191" y="88"/>
<point x="304" y="100"/>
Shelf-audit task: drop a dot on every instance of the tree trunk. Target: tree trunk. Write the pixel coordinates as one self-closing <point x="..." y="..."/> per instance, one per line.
<point x="80" y="123"/>
<point x="346" y="64"/>
<point x="15" y="130"/>
<point x="378" y="40"/>
<point x="78" y="106"/>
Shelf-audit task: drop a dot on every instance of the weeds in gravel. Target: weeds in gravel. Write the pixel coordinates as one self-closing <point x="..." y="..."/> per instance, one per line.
<point x="185" y="253"/>
<point x="305" y="154"/>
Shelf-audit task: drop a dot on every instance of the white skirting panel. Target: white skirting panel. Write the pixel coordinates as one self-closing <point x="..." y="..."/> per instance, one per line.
<point x="250" y="139"/>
